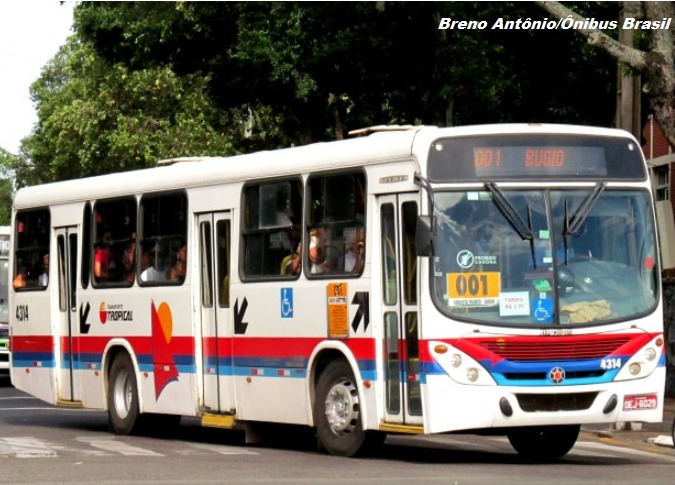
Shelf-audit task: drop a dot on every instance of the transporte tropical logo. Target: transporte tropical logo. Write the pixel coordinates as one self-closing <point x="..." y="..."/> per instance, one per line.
<point x="114" y="313"/>
<point x="102" y="313"/>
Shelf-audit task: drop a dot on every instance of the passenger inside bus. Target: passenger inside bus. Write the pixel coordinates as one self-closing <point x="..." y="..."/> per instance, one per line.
<point x="44" y="277"/>
<point x="292" y="264"/>
<point x="149" y="272"/>
<point x="129" y="259"/>
<point x="102" y="258"/>
<point x="177" y="272"/>
<point x="20" y="279"/>
<point x="352" y="261"/>
<point x="316" y="252"/>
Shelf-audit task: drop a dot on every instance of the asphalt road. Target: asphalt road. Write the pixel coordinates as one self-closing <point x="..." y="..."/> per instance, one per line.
<point x="42" y="444"/>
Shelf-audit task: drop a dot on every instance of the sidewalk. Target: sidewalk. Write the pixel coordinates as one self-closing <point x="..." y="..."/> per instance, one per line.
<point x="656" y="433"/>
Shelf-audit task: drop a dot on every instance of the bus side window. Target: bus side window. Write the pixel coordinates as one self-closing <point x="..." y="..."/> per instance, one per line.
<point x="31" y="244"/>
<point x="271" y="226"/>
<point x="223" y="262"/>
<point x="336" y="224"/>
<point x="114" y="233"/>
<point x="163" y="239"/>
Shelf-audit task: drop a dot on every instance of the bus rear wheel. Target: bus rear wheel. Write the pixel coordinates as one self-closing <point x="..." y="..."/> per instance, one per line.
<point x="337" y="413"/>
<point x="544" y="443"/>
<point x="123" y="410"/>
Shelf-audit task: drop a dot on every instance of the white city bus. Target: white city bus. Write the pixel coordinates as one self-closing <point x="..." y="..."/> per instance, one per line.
<point x="4" y="299"/>
<point x="413" y="280"/>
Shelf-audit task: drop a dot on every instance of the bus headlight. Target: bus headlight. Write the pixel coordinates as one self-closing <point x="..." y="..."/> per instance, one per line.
<point x="643" y="362"/>
<point x="459" y="366"/>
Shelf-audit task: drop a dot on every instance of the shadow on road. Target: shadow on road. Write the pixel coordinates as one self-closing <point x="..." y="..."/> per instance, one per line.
<point x="5" y="381"/>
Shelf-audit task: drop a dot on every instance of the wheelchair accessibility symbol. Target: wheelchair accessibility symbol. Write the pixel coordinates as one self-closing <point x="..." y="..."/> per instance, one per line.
<point x="542" y="310"/>
<point x="286" y="302"/>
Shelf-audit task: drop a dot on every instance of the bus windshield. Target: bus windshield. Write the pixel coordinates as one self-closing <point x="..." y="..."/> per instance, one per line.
<point x="544" y="257"/>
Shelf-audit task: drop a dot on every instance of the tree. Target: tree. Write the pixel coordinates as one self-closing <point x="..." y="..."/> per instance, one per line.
<point x="306" y="71"/>
<point x="656" y="62"/>
<point x="95" y="117"/>
<point x="7" y="163"/>
<point x="140" y="81"/>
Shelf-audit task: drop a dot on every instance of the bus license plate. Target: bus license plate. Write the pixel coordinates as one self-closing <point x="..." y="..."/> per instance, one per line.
<point x="638" y="403"/>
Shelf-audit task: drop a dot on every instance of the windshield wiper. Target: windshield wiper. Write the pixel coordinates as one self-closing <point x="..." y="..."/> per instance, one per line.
<point x="573" y="225"/>
<point x="523" y="230"/>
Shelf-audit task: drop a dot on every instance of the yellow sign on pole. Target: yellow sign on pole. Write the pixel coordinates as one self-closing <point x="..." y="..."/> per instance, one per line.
<point x="338" y="313"/>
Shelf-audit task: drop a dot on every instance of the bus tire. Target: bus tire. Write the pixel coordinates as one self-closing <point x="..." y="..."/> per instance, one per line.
<point x="337" y="413"/>
<point x="544" y="443"/>
<point x="123" y="412"/>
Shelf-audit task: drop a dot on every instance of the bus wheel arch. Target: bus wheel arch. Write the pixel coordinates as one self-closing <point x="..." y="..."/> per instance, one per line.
<point x="337" y="408"/>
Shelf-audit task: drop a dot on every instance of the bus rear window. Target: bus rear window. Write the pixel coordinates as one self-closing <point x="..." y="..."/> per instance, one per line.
<point x="31" y="248"/>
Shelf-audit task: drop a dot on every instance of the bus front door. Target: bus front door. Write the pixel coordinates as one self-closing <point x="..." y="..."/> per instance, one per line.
<point x="403" y="401"/>
<point x="69" y="389"/>
<point x="214" y="278"/>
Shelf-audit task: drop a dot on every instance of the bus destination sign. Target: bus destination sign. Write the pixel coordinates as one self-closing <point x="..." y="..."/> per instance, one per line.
<point x="530" y="157"/>
<point x="525" y="161"/>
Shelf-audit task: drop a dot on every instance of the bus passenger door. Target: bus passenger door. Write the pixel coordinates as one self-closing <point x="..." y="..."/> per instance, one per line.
<point x="68" y="348"/>
<point x="214" y="277"/>
<point x="403" y="401"/>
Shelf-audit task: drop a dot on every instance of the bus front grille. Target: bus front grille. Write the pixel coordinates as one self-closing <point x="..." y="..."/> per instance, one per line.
<point x="557" y="349"/>
<point x="532" y="403"/>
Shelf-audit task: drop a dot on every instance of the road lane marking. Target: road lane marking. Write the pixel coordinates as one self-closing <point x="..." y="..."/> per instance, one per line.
<point x="26" y="447"/>
<point x="111" y="444"/>
<point x="223" y="449"/>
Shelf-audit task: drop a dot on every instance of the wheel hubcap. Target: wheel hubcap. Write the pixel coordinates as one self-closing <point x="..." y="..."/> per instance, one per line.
<point x="342" y="407"/>
<point x="122" y="395"/>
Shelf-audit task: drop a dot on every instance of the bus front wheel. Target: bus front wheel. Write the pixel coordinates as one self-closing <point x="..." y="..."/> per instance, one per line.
<point x="337" y="413"/>
<point x="122" y="396"/>
<point x="544" y="443"/>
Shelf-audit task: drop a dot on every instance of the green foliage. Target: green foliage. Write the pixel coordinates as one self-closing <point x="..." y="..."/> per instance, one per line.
<point x="96" y="117"/>
<point x="323" y="68"/>
<point x="7" y="163"/>
<point x="141" y="81"/>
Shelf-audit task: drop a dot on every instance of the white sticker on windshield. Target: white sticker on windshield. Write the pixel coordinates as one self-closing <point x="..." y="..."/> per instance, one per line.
<point x="514" y="303"/>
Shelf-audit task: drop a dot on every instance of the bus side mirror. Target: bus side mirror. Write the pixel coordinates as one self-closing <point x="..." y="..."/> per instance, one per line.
<point x="424" y="235"/>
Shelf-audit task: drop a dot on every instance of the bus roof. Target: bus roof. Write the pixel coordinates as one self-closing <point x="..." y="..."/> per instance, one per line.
<point x="383" y="145"/>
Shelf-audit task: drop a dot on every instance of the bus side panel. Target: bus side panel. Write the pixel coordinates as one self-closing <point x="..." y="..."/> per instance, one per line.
<point x="271" y="353"/>
<point x="272" y="357"/>
<point x="34" y="355"/>
<point x="93" y="389"/>
<point x="153" y="325"/>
